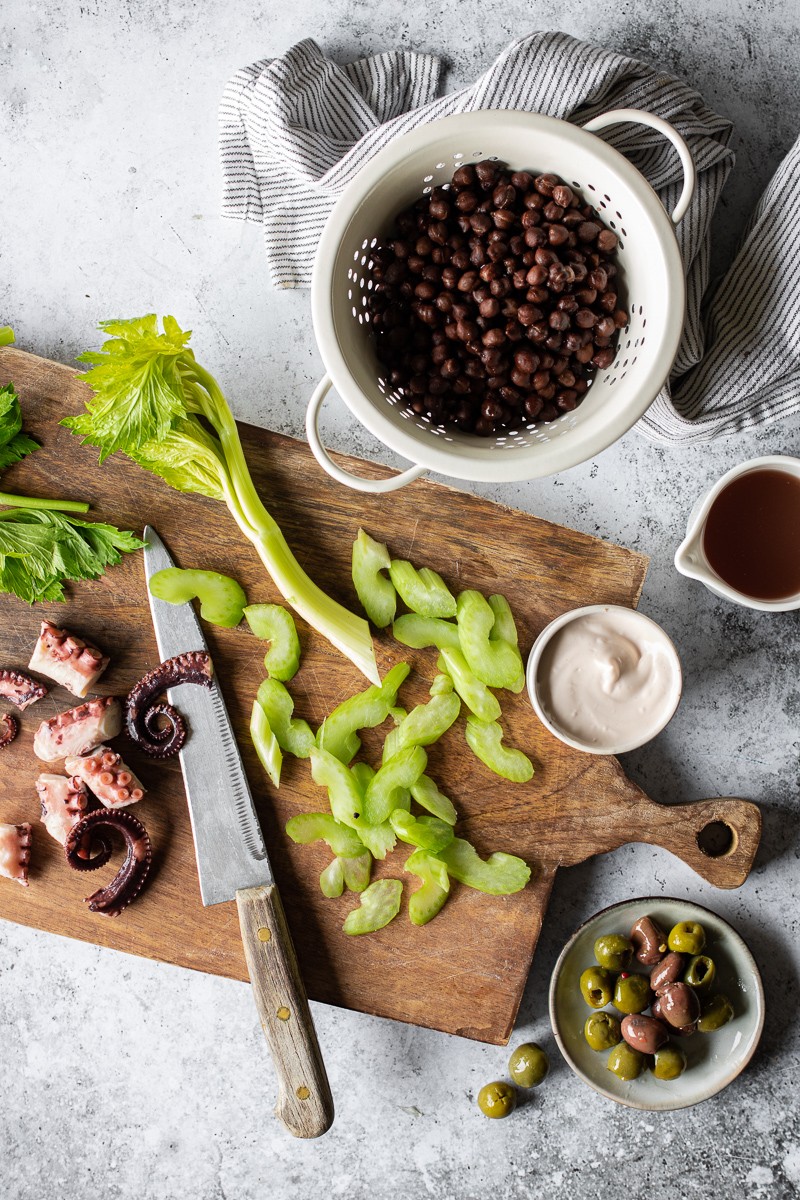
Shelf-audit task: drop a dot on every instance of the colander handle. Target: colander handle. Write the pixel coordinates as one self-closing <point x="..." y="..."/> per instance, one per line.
<point x="637" y="117"/>
<point x="326" y="462"/>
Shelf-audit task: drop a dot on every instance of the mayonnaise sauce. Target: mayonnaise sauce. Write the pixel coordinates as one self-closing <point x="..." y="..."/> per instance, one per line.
<point x="609" y="679"/>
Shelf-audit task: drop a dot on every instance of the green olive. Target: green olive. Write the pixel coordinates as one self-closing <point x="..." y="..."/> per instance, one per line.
<point x="625" y="1062"/>
<point x="614" y="951"/>
<point x="715" y="1012"/>
<point x="668" y="1063"/>
<point x="632" y="993"/>
<point x="596" y="986"/>
<point x="700" y="973"/>
<point x="528" y="1065"/>
<point x="687" y="937"/>
<point x="497" y="1099"/>
<point x="602" y="1030"/>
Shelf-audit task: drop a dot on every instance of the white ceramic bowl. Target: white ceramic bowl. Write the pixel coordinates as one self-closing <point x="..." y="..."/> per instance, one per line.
<point x="714" y="1059"/>
<point x="534" y="679"/>
<point x="650" y="267"/>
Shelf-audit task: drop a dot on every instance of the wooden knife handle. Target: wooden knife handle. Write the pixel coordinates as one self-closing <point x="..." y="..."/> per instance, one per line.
<point x="305" y="1104"/>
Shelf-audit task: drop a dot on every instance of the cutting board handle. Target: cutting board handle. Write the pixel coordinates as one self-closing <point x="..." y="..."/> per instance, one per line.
<point x="305" y="1104"/>
<point x="717" y="838"/>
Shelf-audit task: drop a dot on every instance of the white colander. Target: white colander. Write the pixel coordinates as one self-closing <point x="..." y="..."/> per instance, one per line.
<point x="652" y="286"/>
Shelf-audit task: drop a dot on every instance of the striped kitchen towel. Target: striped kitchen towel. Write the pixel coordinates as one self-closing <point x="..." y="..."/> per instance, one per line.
<point x="295" y="130"/>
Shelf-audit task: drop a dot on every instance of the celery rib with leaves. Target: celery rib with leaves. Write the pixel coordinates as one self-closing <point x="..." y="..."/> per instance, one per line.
<point x="155" y="403"/>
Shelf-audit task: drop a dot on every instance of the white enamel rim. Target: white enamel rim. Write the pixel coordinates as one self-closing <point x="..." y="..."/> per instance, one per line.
<point x="699" y="1082"/>
<point x="692" y="562"/>
<point x="534" y="658"/>
<point x="480" y="464"/>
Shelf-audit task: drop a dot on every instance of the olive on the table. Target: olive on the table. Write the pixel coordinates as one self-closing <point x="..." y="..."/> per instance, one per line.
<point x="669" y="970"/>
<point x="625" y="1062"/>
<point x="700" y="973"/>
<point x="644" y="1033"/>
<point x="679" y="1005"/>
<point x="715" y="1012"/>
<point x="596" y="986"/>
<point x="528" y="1065"/>
<point x="668" y="1063"/>
<point x="632" y="993"/>
<point x="602" y="1030"/>
<point x="687" y="937"/>
<point x="649" y="941"/>
<point x="613" y="951"/>
<point x="497" y="1099"/>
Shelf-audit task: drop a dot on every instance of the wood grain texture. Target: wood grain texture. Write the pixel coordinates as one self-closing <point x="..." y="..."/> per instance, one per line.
<point x="305" y="1104"/>
<point x="464" y="972"/>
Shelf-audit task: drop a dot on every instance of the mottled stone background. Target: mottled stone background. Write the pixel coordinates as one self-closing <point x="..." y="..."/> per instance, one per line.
<point x="123" y="1078"/>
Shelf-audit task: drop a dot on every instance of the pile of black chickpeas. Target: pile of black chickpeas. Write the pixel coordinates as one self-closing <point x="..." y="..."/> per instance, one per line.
<point x="678" y="991"/>
<point x="495" y="300"/>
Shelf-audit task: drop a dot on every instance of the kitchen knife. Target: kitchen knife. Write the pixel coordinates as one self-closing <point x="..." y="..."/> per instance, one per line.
<point x="232" y="863"/>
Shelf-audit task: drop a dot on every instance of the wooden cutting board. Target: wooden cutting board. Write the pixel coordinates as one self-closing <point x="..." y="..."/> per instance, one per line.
<point x="464" y="972"/>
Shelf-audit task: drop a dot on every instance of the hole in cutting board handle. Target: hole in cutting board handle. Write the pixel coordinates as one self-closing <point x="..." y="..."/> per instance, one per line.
<point x="717" y="839"/>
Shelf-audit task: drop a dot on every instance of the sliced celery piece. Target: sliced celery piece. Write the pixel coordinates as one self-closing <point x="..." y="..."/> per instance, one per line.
<point x="442" y="684"/>
<point x="424" y="725"/>
<point x="428" y="796"/>
<point x="222" y="600"/>
<point x="294" y="735"/>
<point x="331" y="881"/>
<point x="428" y="833"/>
<point x="338" y="732"/>
<point x="266" y="744"/>
<point x="374" y="590"/>
<point x="496" y="662"/>
<point x="476" y="695"/>
<point x="274" y="624"/>
<point x="419" y="632"/>
<point x="423" y="591"/>
<point x="505" y="628"/>
<point x="357" y="871"/>
<point x="498" y="875"/>
<point x="400" y="772"/>
<point x="485" y="739"/>
<point x="380" y="904"/>
<point x="427" y="900"/>
<point x="323" y="827"/>
<point x="344" y="793"/>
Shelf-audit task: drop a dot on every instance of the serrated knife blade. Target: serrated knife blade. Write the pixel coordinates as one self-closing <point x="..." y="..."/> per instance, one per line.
<point x="232" y="863"/>
<point x="228" y="841"/>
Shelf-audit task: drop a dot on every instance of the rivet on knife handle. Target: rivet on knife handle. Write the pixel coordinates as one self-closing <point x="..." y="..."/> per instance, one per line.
<point x="305" y="1104"/>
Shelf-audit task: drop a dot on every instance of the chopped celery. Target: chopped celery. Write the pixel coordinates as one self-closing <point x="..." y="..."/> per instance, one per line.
<point x="294" y="735"/>
<point x="357" y="871"/>
<point x="423" y="591"/>
<point x="380" y="904"/>
<point x="222" y="600"/>
<point x="505" y="629"/>
<point x="344" y="793"/>
<point x="380" y="840"/>
<point x="427" y="795"/>
<point x="494" y="661"/>
<point x="418" y="632"/>
<point x="323" y="827"/>
<point x="428" y="833"/>
<point x="498" y="875"/>
<point x="265" y="743"/>
<point x="274" y="624"/>
<point x="365" y="710"/>
<point x="424" y="725"/>
<point x="427" y="900"/>
<point x="475" y="694"/>
<point x="331" y="881"/>
<point x="374" y="590"/>
<point x="485" y="739"/>
<point x="400" y="772"/>
<point x="398" y="714"/>
<point x="442" y="684"/>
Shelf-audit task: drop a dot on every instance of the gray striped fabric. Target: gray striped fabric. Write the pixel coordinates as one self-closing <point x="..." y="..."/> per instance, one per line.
<point x="295" y="130"/>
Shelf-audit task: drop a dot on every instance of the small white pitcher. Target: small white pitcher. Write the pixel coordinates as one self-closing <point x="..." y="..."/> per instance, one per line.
<point x="690" y="559"/>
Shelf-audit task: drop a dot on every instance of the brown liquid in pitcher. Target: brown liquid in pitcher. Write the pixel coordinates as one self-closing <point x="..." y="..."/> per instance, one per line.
<point x="752" y="534"/>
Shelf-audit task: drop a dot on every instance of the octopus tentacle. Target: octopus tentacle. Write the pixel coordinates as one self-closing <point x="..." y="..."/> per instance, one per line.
<point x="15" y="851"/>
<point x="67" y="659"/>
<point x="130" y="878"/>
<point x="144" y="709"/>
<point x="107" y="776"/>
<point x="9" y="728"/>
<point x="63" y="802"/>
<point x="79" y="730"/>
<point x="20" y="689"/>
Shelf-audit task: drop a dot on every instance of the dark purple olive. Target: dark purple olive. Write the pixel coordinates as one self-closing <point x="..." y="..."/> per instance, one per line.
<point x="679" y="1005"/>
<point x="644" y="1033"/>
<point x="669" y="970"/>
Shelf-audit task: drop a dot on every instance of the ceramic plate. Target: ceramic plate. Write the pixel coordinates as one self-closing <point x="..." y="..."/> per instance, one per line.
<point x="714" y="1059"/>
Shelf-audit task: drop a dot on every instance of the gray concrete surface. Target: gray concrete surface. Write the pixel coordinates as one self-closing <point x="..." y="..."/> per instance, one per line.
<point x="123" y="1078"/>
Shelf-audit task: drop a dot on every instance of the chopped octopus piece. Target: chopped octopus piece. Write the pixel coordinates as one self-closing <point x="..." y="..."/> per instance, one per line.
<point x="63" y="803"/>
<point x="20" y="689"/>
<point x="144" y="710"/>
<point x="79" y="730"/>
<point x="15" y="851"/>
<point x="67" y="659"/>
<point x="106" y="775"/>
<point x="9" y="728"/>
<point x="91" y="834"/>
